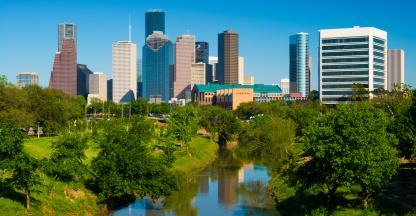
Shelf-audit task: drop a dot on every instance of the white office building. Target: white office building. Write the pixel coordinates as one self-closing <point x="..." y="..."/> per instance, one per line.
<point x="124" y="69"/>
<point x="213" y="60"/>
<point x="197" y="74"/>
<point x="97" y="86"/>
<point x="395" y="68"/>
<point x="351" y="56"/>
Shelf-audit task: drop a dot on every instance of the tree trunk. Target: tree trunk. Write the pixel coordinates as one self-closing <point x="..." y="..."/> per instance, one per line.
<point x="365" y="196"/>
<point x="27" y="199"/>
<point x="330" y="197"/>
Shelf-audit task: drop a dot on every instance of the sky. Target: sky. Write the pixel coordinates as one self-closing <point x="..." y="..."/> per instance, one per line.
<point x="28" y="29"/>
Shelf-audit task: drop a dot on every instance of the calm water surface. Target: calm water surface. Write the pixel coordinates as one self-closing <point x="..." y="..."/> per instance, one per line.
<point x="227" y="187"/>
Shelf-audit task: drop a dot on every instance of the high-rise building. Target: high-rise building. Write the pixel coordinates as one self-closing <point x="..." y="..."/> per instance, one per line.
<point x="202" y="52"/>
<point x="110" y="89"/>
<point x="213" y="60"/>
<point x="240" y="70"/>
<point x="26" y="79"/>
<point x="227" y="68"/>
<point x="351" y="56"/>
<point x="154" y="21"/>
<point x="184" y="58"/>
<point x="66" y="31"/>
<point x="395" y="68"/>
<point x="139" y="78"/>
<point x="124" y="71"/>
<point x="157" y="58"/>
<point x="284" y="85"/>
<point x="202" y="55"/>
<point x="98" y="86"/>
<point x="198" y="74"/>
<point x="83" y="79"/>
<point x="248" y="80"/>
<point x="299" y="71"/>
<point x="64" y="72"/>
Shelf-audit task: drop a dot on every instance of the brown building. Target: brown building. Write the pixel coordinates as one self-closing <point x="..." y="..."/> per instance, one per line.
<point x="233" y="97"/>
<point x="227" y="68"/>
<point x="64" y="73"/>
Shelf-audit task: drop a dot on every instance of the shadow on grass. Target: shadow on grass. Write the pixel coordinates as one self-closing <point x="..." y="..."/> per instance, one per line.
<point x="9" y="193"/>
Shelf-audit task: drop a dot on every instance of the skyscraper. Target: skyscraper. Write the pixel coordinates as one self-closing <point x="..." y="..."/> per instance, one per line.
<point x="26" y="79"/>
<point x="202" y="55"/>
<point x="124" y="71"/>
<point x="83" y="77"/>
<point x="154" y="21"/>
<point x="351" y="56"/>
<point x="98" y="86"/>
<point x="139" y="78"/>
<point x="66" y="31"/>
<point x="184" y="58"/>
<point x="64" y="72"/>
<point x="241" y="70"/>
<point x="284" y="85"/>
<point x="157" y="58"/>
<point x="213" y="60"/>
<point x="395" y="68"/>
<point x="299" y="71"/>
<point x="227" y="68"/>
<point x="197" y="74"/>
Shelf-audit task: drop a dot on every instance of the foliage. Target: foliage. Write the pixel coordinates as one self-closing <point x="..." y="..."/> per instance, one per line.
<point x="14" y="160"/>
<point x="183" y="123"/>
<point x="346" y="146"/>
<point x="66" y="161"/>
<point x="219" y="122"/>
<point x="359" y="92"/>
<point x="125" y="167"/>
<point x="268" y="138"/>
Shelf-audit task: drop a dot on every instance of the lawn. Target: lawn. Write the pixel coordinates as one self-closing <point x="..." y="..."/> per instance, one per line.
<point x="39" y="148"/>
<point x="202" y="152"/>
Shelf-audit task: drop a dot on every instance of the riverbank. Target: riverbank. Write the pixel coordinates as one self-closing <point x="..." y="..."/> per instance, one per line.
<point x="52" y="197"/>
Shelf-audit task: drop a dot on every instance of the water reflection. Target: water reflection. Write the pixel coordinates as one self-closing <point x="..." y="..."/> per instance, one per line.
<point x="227" y="187"/>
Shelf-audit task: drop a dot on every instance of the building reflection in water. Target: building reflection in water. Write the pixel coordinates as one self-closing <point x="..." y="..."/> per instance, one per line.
<point x="203" y="184"/>
<point x="227" y="187"/>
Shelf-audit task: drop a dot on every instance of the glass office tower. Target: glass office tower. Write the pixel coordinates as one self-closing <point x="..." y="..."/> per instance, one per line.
<point x="351" y="56"/>
<point x="157" y="61"/>
<point x="154" y="21"/>
<point x="202" y="55"/>
<point x="299" y="71"/>
<point x="66" y="31"/>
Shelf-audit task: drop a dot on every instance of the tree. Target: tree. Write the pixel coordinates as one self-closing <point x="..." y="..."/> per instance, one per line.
<point x="346" y="146"/>
<point x="183" y="123"/>
<point x="126" y="167"/>
<point x="66" y="161"/>
<point x="219" y="123"/>
<point x="12" y="159"/>
<point x="268" y="138"/>
<point x="359" y="92"/>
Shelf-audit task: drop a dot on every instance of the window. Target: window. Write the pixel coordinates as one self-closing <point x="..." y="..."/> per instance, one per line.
<point x="337" y="93"/>
<point x="378" y="47"/>
<point x="345" y="60"/>
<point x="352" y="79"/>
<point x="380" y="80"/>
<point x="379" y="54"/>
<point x="379" y="67"/>
<point x="345" y="40"/>
<point x="376" y="40"/>
<point x="345" y="66"/>
<point x="345" y="53"/>
<point x="344" y="73"/>
<point x="341" y="86"/>
<point x="359" y="46"/>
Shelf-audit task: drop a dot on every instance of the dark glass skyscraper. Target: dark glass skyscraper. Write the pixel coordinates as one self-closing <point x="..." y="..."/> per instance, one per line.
<point x="299" y="64"/>
<point x="83" y="77"/>
<point x="157" y="58"/>
<point x="227" y="68"/>
<point x="154" y="21"/>
<point x="202" y="55"/>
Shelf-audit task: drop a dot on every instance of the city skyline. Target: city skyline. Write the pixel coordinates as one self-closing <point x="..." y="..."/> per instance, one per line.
<point x="268" y="62"/>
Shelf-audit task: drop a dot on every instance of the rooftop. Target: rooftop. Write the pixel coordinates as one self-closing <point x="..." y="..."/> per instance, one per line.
<point x="213" y="87"/>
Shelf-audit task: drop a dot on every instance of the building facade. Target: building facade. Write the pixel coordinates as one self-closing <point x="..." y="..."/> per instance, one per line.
<point x="351" y="56"/>
<point x="202" y="55"/>
<point x="395" y="68"/>
<point x="124" y="63"/>
<point x="184" y="58"/>
<point x="284" y="85"/>
<point x="157" y="67"/>
<point x="154" y="21"/>
<point x="26" y="79"/>
<point x="213" y="61"/>
<point x="248" y="80"/>
<point x="299" y="71"/>
<point x="98" y="86"/>
<point x="241" y="70"/>
<point x="66" y="31"/>
<point x="227" y="71"/>
<point x="64" y="72"/>
<point x="83" y="77"/>
<point x="197" y="74"/>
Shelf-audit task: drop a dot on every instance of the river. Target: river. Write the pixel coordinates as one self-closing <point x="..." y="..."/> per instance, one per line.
<point x="227" y="187"/>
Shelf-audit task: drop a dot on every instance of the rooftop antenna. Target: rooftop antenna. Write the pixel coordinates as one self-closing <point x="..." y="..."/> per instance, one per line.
<point x="129" y="27"/>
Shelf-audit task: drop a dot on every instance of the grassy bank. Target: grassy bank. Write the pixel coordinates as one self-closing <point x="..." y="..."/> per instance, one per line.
<point x="51" y="197"/>
<point x="202" y="152"/>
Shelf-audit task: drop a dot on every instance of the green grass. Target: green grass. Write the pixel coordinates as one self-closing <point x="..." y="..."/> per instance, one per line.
<point x="202" y="152"/>
<point x="39" y="148"/>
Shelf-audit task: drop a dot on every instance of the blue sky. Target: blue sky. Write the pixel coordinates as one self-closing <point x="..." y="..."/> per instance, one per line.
<point x="29" y="29"/>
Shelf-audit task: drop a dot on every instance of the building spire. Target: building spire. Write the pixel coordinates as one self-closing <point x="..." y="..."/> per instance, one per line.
<point x="129" y="27"/>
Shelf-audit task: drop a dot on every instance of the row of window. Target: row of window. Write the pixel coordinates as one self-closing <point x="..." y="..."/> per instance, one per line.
<point x="349" y="79"/>
<point x="379" y="54"/>
<point x="345" y="53"/>
<point x="376" y="40"/>
<point x="336" y="73"/>
<point x="377" y="86"/>
<point x="345" y="66"/>
<point x="376" y="47"/>
<point x="378" y="73"/>
<point x="380" y="80"/>
<point x="336" y="99"/>
<point x="345" y="40"/>
<point x="381" y="61"/>
<point x="359" y="46"/>
<point x="345" y="60"/>
<point x="379" y="67"/>
<point x="341" y="86"/>
<point x="337" y="93"/>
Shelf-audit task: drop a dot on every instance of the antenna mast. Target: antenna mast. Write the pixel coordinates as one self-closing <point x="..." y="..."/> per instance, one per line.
<point x="129" y="27"/>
